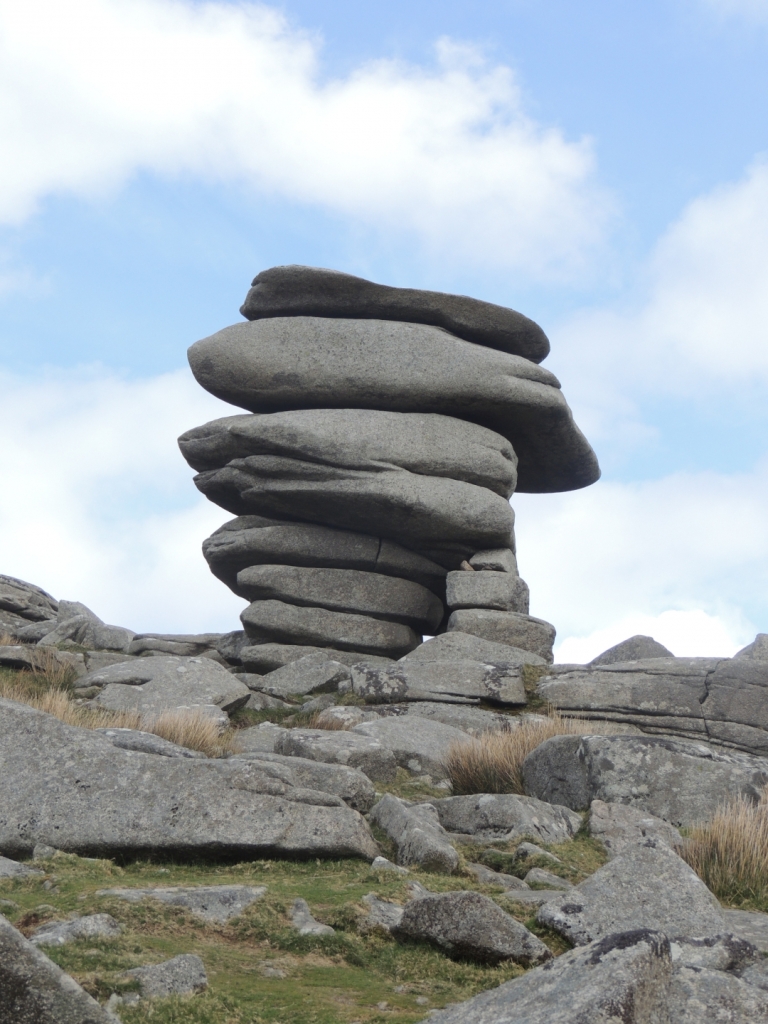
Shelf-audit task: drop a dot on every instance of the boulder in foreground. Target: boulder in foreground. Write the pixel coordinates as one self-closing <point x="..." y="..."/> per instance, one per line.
<point x="78" y="792"/>
<point x="34" y="990"/>
<point x="622" y="979"/>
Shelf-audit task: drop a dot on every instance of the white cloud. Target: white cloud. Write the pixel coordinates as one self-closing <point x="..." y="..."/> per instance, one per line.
<point x="697" y="326"/>
<point x="686" y="634"/>
<point x="614" y="559"/>
<point x="97" y="504"/>
<point x="93" y="91"/>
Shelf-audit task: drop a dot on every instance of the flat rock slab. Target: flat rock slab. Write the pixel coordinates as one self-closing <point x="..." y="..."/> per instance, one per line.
<point x="303" y="921"/>
<point x="748" y="925"/>
<point x="305" y="675"/>
<point x="349" y="784"/>
<point x="327" y="363"/>
<point x="432" y="514"/>
<point x="507" y="816"/>
<point x="215" y="903"/>
<point x="624" y="977"/>
<point x="146" y="743"/>
<point x="461" y="682"/>
<point x="59" y="933"/>
<point x="153" y="685"/>
<point x="678" y="780"/>
<point x="420" y="745"/>
<point x="618" y="825"/>
<point x="417" y="833"/>
<point x="287" y="623"/>
<point x="78" y="792"/>
<point x="361" y="439"/>
<point x="339" y="747"/>
<point x="258" y="540"/>
<point x="313" y="291"/>
<point x="182" y="975"/>
<point x="186" y="645"/>
<point x="468" y="924"/>
<point x="471" y="720"/>
<point x="262" y="658"/>
<point x="645" y="886"/>
<point x="36" y="991"/>
<point x="719" y="700"/>
<point x="458" y="646"/>
<point x="12" y="869"/>
<point x="344" y="590"/>
<point x="511" y="628"/>
<point x="487" y="589"/>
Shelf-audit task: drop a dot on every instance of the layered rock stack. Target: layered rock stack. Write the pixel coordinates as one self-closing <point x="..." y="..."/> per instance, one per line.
<point x="387" y="429"/>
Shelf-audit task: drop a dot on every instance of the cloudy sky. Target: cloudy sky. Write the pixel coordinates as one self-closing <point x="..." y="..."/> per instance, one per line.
<point x="601" y="166"/>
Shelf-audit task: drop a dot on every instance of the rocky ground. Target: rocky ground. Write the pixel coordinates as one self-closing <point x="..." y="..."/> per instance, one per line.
<point x="325" y="868"/>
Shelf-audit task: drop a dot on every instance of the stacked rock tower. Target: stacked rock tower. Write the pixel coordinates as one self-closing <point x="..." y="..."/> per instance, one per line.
<point x="387" y="429"/>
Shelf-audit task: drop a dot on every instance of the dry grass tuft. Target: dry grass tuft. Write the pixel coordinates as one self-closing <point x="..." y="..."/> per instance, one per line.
<point x="493" y="761"/>
<point x="186" y="727"/>
<point x="730" y="852"/>
<point x="194" y="730"/>
<point x="6" y="640"/>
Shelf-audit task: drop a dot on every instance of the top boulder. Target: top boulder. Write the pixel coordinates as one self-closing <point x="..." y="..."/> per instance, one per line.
<point x="313" y="291"/>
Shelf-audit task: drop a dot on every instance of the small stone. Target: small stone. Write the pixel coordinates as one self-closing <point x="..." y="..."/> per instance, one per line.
<point x="538" y="876"/>
<point x="42" y="851"/>
<point x="12" y="869"/>
<point x="487" y="876"/>
<point x="215" y="903"/>
<point x="382" y="864"/>
<point x="382" y="914"/>
<point x="59" y="933"/>
<point x="421" y="1000"/>
<point x="469" y="924"/>
<point x="182" y="975"/>
<point x="525" y="850"/>
<point x="498" y="560"/>
<point x="266" y="970"/>
<point x="303" y="921"/>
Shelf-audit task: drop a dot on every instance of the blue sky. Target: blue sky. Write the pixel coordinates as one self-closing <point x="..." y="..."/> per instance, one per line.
<point x="601" y="166"/>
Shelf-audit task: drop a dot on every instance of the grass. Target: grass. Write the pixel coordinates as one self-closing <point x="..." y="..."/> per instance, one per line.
<point x="336" y="979"/>
<point x="730" y="853"/>
<point x="493" y="762"/>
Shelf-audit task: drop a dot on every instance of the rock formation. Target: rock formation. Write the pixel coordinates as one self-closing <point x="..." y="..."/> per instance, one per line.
<point x="387" y="429"/>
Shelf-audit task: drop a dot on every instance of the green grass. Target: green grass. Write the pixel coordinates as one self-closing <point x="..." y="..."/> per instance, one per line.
<point x="339" y="978"/>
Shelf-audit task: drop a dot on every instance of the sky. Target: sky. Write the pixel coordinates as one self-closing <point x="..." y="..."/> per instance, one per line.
<point x="601" y="166"/>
